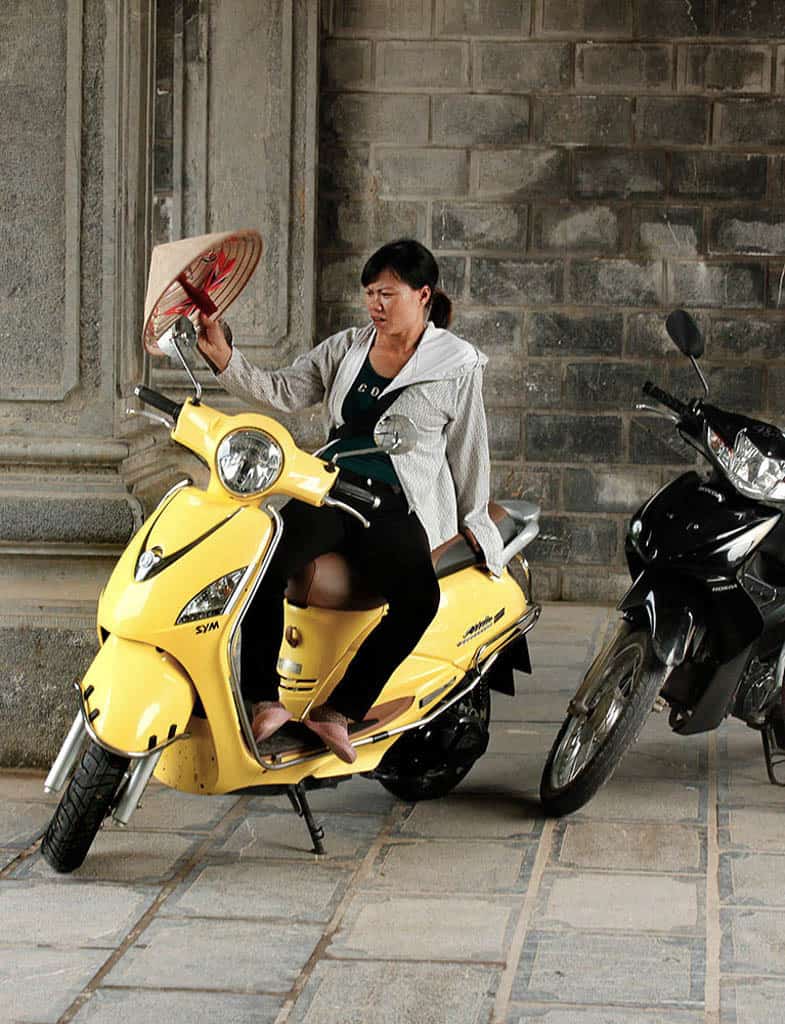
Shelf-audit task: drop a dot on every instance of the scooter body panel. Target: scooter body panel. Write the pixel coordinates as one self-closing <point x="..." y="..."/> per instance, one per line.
<point x="135" y="698"/>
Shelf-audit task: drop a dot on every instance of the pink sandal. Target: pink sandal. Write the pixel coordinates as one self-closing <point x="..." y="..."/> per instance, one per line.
<point x="268" y="717"/>
<point x="332" y="729"/>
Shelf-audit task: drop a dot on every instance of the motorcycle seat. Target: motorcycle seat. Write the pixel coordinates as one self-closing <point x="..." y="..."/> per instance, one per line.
<point x="328" y="581"/>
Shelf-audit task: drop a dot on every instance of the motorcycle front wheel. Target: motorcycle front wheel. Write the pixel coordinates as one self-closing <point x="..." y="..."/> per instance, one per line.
<point x="622" y="685"/>
<point x="89" y="797"/>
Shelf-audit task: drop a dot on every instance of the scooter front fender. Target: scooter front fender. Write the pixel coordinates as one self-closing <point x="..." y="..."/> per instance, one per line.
<point x="135" y="698"/>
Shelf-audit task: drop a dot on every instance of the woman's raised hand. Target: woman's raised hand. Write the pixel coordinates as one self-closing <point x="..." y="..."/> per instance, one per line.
<point x="212" y="342"/>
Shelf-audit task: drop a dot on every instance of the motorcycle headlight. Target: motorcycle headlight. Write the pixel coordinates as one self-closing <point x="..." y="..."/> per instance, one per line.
<point x="212" y="600"/>
<point x="751" y="471"/>
<point x="249" y="461"/>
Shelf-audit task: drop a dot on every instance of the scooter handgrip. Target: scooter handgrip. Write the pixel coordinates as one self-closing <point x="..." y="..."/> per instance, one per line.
<point x="157" y="400"/>
<point x="353" y="494"/>
<point x="665" y="399"/>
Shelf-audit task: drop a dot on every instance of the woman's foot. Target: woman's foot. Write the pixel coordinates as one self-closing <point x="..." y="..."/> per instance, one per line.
<point x="268" y="717"/>
<point x="333" y="729"/>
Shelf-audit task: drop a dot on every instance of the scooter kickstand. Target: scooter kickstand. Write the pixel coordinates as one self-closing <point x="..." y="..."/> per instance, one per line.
<point x="299" y="802"/>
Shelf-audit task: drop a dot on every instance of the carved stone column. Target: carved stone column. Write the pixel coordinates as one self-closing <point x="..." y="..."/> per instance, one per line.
<point x="78" y="95"/>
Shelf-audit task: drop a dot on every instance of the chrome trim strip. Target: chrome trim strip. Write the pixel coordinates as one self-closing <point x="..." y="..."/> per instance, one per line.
<point x="233" y="675"/>
<point x="173" y="490"/>
<point x="518" y="628"/>
<point x="475" y="674"/>
<point x="134" y="754"/>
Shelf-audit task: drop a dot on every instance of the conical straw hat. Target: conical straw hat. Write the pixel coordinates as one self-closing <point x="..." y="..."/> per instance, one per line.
<point x="202" y="274"/>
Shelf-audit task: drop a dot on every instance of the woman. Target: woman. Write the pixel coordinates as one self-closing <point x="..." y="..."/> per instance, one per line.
<point x="407" y="362"/>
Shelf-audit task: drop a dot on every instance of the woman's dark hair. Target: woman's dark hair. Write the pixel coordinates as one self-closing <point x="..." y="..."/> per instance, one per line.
<point x="414" y="265"/>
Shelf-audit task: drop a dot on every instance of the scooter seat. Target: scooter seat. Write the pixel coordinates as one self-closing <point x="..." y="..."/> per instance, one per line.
<point x="329" y="582"/>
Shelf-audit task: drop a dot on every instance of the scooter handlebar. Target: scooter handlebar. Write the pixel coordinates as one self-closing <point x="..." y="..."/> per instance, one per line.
<point x="157" y="400"/>
<point x="664" y="398"/>
<point x="353" y="494"/>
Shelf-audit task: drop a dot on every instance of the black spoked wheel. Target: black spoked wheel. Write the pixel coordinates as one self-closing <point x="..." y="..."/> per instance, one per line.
<point x="604" y="720"/>
<point x="428" y="762"/>
<point x="89" y="797"/>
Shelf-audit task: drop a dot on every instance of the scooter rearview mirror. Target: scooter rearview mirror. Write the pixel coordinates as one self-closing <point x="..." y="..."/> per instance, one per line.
<point x="686" y="335"/>
<point x="396" y="434"/>
<point x="174" y="343"/>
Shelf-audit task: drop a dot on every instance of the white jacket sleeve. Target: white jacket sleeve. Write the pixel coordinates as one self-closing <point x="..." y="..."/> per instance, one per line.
<point x="470" y="465"/>
<point x="294" y="387"/>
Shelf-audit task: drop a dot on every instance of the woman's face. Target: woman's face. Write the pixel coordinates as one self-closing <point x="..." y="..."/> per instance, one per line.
<point x="394" y="306"/>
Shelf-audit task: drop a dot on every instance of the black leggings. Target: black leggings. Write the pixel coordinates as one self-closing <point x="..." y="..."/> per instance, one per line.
<point x="393" y="559"/>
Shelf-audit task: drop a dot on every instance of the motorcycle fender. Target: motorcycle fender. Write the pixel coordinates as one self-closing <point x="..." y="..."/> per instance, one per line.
<point x="672" y="622"/>
<point x="500" y="676"/>
<point x="678" y="607"/>
<point x="135" y="698"/>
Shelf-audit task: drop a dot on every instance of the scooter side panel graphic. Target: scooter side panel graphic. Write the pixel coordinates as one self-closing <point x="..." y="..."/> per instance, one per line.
<point x="136" y="697"/>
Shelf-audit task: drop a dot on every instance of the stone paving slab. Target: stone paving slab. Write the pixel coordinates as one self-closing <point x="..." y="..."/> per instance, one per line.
<point x="753" y="1001"/>
<point x="68" y="913"/>
<point x="260" y="889"/>
<point x="638" y="846"/>
<point x="238" y="956"/>
<point x="283" y="834"/>
<point x="752" y="879"/>
<point x="38" y="985"/>
<point x="470" y="816"/>
<point x="600" y="1015"/>
<point x="584" y="967"/>
<point x="639" y="903"/>
<point x="753" y="941"/>
<point x="435" y="866"/>
<point x="123" y="856"/>
<point x="624" y="798"/>
<point x="389" y="993"/>
<point x="131" y="1006"/>
<point x="22" y="823"/>
<point x="169" y="810"/>
<point x="753" y="828"/>
<point x="425" y="928"/>
<point x="472" y="909"/>
<point x="25" y="786"/>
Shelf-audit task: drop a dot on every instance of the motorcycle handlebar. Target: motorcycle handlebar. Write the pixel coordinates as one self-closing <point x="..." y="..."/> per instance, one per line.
<point x="157" y="400"/>
<point x="665" y="399"/>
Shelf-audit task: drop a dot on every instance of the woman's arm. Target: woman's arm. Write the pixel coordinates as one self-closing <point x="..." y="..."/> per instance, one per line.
<point x="468" y="454"/>
<point x="295" y="387"/>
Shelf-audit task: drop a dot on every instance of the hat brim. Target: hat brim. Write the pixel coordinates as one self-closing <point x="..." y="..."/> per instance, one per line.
<point x="194" y="276"/>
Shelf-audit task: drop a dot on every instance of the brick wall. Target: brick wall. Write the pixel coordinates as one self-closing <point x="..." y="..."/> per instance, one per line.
<point x="579" y="167"/>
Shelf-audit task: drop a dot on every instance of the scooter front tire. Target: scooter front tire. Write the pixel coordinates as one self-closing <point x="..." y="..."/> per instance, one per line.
<point x="633" y="687"/>
<point x="89" y="797"/>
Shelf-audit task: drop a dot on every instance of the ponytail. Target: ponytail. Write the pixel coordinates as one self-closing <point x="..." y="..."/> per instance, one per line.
<point x="441" y="309"/>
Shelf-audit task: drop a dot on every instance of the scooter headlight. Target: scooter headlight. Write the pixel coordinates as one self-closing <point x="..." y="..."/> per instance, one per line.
<point x="751" y="471"/>
<point x="249" y="461"/>
<point x="212" y="600"/>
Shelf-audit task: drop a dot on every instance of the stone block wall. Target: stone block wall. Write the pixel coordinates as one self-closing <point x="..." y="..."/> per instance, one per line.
<point x="579" y="167"/>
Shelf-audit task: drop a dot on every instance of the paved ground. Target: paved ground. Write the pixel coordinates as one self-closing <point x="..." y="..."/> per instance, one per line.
<point x="660" y="904"/>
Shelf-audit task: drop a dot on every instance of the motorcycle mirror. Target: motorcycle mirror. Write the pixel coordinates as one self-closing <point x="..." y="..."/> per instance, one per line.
<point x="685" y="333"/>
<point x="176" y="342"/>
<point x="687" y="337"/>
<point x="396" y="434"/>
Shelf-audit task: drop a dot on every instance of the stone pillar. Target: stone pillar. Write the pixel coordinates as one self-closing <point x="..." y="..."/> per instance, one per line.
<point x="78" y="85"/>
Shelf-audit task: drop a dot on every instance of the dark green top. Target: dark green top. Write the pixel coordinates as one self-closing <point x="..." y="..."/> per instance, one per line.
<point x="357" y="432"/>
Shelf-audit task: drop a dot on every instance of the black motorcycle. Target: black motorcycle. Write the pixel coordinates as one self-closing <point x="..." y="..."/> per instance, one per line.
<point x="703" y="625"/>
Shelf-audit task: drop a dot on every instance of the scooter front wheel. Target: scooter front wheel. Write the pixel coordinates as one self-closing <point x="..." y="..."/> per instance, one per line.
<point x="595" y="736"/>
<point x="89" y="797"/>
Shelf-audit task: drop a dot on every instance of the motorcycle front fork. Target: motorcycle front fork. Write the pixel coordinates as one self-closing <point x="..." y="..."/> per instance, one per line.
<point x="141" y="770"/>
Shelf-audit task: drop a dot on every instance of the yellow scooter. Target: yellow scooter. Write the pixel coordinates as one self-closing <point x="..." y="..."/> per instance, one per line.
<point x="162" y="696"/>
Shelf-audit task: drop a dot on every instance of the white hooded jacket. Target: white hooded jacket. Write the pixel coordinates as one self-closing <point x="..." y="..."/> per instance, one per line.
<point x="446" y="476"/>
